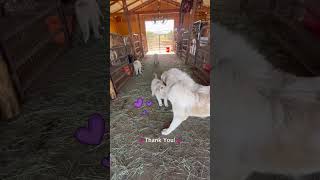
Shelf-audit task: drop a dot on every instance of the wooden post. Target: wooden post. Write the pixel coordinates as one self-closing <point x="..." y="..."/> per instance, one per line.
<point x="64" y="22"/>
<point x="113" y="93"/>
<point x="194" y="7"/>
<point x="140" y="35"/>
<point x="126" y="13"/>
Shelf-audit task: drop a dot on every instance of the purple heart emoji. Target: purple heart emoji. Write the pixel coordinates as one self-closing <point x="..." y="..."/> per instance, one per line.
<point x="93" y="133"/>
<point x="145" y="112"/>
<point x="149" y="103"/>
<point x="105" y="162"/>
<point x="138" y="103"/>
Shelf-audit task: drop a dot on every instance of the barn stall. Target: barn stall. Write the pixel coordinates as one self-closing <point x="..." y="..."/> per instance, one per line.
<point x="178" y="32"/>
<point x="286" y="32"/>
<point x="50" y="82"/>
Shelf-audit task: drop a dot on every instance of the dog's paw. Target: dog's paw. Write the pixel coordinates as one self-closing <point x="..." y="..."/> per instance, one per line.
<point x="165" y="132"/>
<point x="166" y="105"/>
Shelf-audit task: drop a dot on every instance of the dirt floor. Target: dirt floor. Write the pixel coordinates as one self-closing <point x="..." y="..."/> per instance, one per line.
<point x="39" y="144"/>
<point x="155" y="160"/>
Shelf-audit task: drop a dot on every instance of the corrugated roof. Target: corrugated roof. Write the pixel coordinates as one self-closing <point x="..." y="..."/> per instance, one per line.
<point x="116" y="5"/>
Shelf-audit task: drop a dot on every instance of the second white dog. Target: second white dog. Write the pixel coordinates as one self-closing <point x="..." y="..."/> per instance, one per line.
<point x="88" y="15"/>
<point x="137" y="67"/>
<point x="158" y="90"/>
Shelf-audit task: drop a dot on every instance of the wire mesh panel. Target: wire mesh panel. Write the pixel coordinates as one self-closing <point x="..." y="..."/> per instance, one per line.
<point x="32" y="39"/>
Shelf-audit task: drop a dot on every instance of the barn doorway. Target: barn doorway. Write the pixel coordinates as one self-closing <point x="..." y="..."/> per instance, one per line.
<point x="159" y="35"/>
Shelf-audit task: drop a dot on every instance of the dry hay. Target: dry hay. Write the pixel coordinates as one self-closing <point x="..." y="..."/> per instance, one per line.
<point x="132" y="160"/>
<point x="39" y="144"/>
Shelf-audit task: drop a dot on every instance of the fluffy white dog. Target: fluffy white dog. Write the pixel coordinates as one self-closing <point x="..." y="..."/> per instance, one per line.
<point x="186" y="96"/>
<point x="187" y="102"/>
<point x="174" y="75"/>
<point x="158" y="90"/>
<point x="250" y="100"/>
<point x="88" y="15"/>
<point x="137" y="67"/>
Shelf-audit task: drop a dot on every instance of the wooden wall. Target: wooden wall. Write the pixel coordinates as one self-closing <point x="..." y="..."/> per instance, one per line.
<point x="9" y="103"/>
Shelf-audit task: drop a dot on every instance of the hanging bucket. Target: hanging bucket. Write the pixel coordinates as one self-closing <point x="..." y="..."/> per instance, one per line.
<point x="127" y="70"/>
<point x="207" y="67"/>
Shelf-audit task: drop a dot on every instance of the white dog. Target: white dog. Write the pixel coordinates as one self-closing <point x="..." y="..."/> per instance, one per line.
<point x="247" y="95"/>
<point x="88" y="15"/>
<point x="187" y="102"/>
<point x="137" y="67"/>
<point x="174" y="75"/>
<point x="158" y="90"/>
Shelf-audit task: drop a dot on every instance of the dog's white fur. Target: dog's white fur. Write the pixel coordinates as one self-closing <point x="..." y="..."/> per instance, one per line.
<point x="158" y="90"/>
<point x="88" y="16"/>
<point x="186" y="96"/>
<point x="249" y="98"/>
<point x="174" y="75"/>
<point x="137" y="67"/>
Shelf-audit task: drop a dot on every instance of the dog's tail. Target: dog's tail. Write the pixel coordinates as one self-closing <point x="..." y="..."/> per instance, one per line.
<point x="155" y="75"/>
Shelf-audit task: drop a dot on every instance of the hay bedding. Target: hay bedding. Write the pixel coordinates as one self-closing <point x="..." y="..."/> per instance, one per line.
<point x="132" y="160"/>
<point x="39" y="144"/>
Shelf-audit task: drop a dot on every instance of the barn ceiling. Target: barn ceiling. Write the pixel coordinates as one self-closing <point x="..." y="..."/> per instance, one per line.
<point x="116" y="5"/>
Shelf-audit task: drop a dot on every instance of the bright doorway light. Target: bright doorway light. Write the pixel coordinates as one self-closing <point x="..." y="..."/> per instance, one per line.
<point x="160" y="37"/>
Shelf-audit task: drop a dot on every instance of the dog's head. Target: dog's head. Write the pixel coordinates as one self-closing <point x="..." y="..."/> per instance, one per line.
<point x="164" y="76"/>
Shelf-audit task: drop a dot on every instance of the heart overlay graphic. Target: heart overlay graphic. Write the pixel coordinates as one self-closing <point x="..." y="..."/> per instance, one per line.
<point x="149" y="103"/>
<point x="138" y="103"/>
<point x="105" y="162"/>
<point x="93" y="133"/>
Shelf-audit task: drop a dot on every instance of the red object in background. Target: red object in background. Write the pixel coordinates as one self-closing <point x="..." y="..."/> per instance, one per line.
<point x="207" y="67"/>
<point x="167" y="49"/>
<point x="127" y="70"/>
<point x="54" y="25"/>
<point x="312" y="17"/>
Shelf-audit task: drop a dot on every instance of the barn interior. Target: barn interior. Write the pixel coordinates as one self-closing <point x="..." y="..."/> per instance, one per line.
<point x="50" y="83"/>
<point x="178" y="32"/>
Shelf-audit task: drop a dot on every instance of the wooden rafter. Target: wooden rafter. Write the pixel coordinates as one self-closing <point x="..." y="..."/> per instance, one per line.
<point x="113" y="2"/>
<point x="147" y="3"/>
<point x="127" y="5"/>
<point x="172" y="2"/>
<point x="165" y="11"/>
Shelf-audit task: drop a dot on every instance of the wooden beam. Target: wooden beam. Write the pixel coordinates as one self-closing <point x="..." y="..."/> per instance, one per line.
<point x="166" y="11"/>
<point x="140" y="34"/>
<point x="114" y="2"/>
<point x="128" y="6"/>
<point x="173" y="2"/>
<point x="126" y="13"/>
<point x="147" y="3"/>
<point x="193" y="13"/>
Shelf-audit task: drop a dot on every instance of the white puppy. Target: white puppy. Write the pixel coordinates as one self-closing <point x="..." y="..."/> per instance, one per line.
<point x="158" y="90"/>
<point x="245" y="135"/>
<point x="173" y="75"/>
<point x="137" y="67"/>
<point x="88" y="15"/>
<point x="187" y="102"/>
